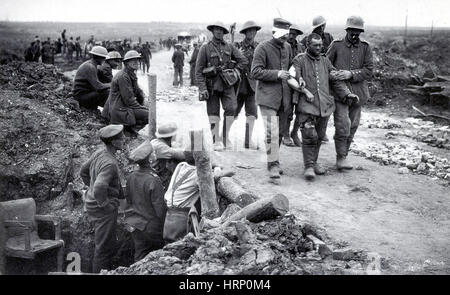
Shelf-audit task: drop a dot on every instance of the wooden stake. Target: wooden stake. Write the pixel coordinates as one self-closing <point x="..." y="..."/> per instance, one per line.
<point x="208" y="198"/>
<point x="151" y="105"/>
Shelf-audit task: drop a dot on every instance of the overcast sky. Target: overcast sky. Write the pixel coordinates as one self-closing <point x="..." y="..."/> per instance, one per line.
<point x="375" y="12"/>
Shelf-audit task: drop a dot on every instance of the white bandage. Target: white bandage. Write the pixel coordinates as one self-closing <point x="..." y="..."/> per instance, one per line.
<point x="278" y="32"/>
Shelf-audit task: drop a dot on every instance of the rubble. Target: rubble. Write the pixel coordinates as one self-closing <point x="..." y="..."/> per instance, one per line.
<point x="178" y="94"/>
<point x="278" y="246"/>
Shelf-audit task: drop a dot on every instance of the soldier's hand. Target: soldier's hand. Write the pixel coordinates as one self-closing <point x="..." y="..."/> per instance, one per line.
<point x="344" y="75"/>
<point x="204" y="95"/>
<point x="283" y="75"/>
<point x="351" y="98"/>
<point x="301" y="82"/>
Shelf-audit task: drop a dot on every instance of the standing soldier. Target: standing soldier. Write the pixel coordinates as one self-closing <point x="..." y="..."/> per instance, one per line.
<point x="36" y="50"/>
<point x="192" y="64"/>
<point x="217" y="72"/>
<point x="313" y="112"/>
<point x="247" y="86"/>
<point x="178" y="64"/>
<point x="112" y="61"/>
<point x="146" y="207"/>
<point x="64" y="41"/>
<point x="318" y="26"/>
<point x="48" y="53"/>
<point x="101" y="174"/>
<point x="146" y="57"/>
<point x="292" y="139"/>
<point x="353" y="57"/>
<point x="77" y="48"/>
<point x="270" y="67"/>
<point x="70" y="50"/>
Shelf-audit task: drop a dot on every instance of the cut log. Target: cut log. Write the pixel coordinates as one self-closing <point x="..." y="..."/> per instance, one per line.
<point x="264" y="209"/>
<point x="234" y="192"/>
<point x="208" y="199"/>
<point x="231" y="209"/>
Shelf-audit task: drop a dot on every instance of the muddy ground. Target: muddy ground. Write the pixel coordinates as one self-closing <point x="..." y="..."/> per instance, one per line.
<point x="395" y="203"/>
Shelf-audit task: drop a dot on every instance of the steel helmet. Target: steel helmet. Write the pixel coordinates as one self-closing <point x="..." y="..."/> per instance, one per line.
<point x="113" y="55"/>
<point x="219" y="25"/>
<point x="131" y="54"/>
<point x="318" y="21"/>
<point x="167" y="130"/>
<point x="296" y="29"/>
<point x="355" y="22"/>
<point x="99" y="51"/>
<point x="249" y="25"/>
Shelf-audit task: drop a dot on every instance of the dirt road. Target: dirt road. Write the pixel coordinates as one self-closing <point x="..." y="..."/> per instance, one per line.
<point x="403" y="217"/>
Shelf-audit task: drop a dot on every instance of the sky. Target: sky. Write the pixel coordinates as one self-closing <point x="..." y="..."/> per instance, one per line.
<point x="375" y="12"/>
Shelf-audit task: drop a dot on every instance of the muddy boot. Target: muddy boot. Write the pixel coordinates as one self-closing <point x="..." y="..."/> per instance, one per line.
<point x="309" y="173"/>
<point x="274" y="170"/>
<point x="248" y="142"/>
<point x="319" y="170"/>
<point x="287" y="141"/>
<point x="343" y="164"/>
<point x="218" y="146"/>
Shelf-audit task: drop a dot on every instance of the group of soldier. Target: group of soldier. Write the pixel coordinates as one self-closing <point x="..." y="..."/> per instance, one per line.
<point x="309" y="80"/>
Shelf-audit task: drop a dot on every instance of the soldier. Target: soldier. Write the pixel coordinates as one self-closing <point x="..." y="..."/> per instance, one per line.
<point x="146" y="208"/>
<point x="36" y="49"/>
<point x="167" y="157"/>
<point x="112" y="61"/>
<point x="270" y="66"/>
<point x="77" y="48"/>
<point x="178" y="64"/>
<point x="313" y="112"/>
<point x="87" y="89"/>
<point x="217" y="72"/>
<point x="353" y="57"/>
<point x="247" y="86"/>
<point x="48" y="52"/>
<point x="292" y="139"/>
<point x="70" y="49"/>
<point x="192" y="64"/>
<point x="318" y="26"/>
<point x="101" y="174"/>
<point x="125" y="104"/>
<point x="146" y="57"/>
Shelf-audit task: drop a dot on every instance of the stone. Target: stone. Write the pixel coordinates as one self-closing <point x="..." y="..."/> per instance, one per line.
<point x="403" y="170"/>
<point x="345" y="254"/>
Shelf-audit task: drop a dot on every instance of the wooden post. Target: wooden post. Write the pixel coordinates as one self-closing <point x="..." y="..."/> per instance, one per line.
<point x="151" y="105"/>
<point x="208" y="199"/>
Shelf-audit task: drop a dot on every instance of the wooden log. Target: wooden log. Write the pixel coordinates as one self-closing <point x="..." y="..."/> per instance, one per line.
<point x="208" y="198"/>
<point x="234" y="192"/>
<point x="264" y="209"/>
<point x="231" y="209"/>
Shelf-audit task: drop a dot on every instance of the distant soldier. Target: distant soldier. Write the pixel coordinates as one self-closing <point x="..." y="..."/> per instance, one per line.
<point x="101" y="174"/>
<point x="312" y="113"/>
<point x="353" y="58"/>
<point x="178" y="64"/>
<point x="247" y="86"/>
<point x="77" y="48"/>
<point x="270" y="66"/>
<point x="125" y="103"/>
<point x="112" y="61"/>
<point x="167" y="157"/>
<point x="58" y="46"/>
<point x="192" y="62"/>
<point x="70" y="49"/>
<point x="146" y="208"/>
<point x="64" y="41"/>
<point x="48" y="53"/>
<point x="146" y="57"/>
<point x="87" y="89"/>
<point x="28" y="54"/>
<point x="36" y="50"/>
<point x="318" y="26"/>
<point x="217" y="72"/>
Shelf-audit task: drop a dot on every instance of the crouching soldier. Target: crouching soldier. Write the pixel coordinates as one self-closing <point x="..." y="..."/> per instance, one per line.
<point x="125" y="103"/>
<point x="167" y="157"/>
<point x="313" y="112"/>
<point x="101" y="174"/>
<point x="111" y="62"/>
<point x="146" y="209"/>
<point x="87" y="89"/>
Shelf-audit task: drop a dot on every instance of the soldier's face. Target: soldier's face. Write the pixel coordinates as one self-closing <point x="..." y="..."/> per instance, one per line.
<point x="218" y="33"/>
<point x="134" y="64"/>
<point x="353" y="35"/>
<point x="118" y="143"/>
<point x="292" y="36"/>
<point x="315" y="46"/>
<point x="250" y="34"/>
<point x="114" y="63"/>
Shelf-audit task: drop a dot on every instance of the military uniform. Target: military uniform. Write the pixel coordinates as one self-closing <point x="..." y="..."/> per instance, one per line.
<point x="313" y="116"/>
<point x="218" y="53"/>
<point x="273" y="95"/>
<point x="104" y="72"/>
<point x="167" y="158"/>
<point x="87" y="89"/>
<point x="327" y="39"/>
<point x="101" y="174"/>
<point x="192" y="62"/>
<point x="178" y="64"/>
<point x="358" y="59"/>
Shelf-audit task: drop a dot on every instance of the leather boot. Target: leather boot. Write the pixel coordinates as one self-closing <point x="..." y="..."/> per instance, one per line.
<point x="317" y="168"/>
<point x="342" y="163"/>
<point x="218" y="146"/>
<point x="309" y="154"/>
<point x="249" y="125"/>
<point x="309" y="173"/>
<point x="287" y="141"/>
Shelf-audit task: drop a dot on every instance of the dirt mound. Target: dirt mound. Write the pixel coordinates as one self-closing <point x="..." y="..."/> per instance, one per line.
<point x="279" y="246"/>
